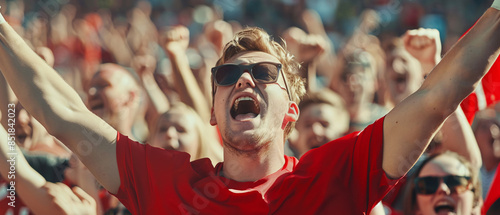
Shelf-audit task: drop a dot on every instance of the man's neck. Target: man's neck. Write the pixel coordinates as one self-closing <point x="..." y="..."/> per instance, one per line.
<point x="252" y="167"/>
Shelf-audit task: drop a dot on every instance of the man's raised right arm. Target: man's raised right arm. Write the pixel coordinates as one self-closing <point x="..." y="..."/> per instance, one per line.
<point x="47" y="97"/>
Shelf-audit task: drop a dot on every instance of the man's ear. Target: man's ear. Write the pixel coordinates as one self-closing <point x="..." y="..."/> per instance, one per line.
<point x="213" y="121"/>
<point x="131" y="98"/>
<point x="293" y="112"/>
<point x="291" y="115"/>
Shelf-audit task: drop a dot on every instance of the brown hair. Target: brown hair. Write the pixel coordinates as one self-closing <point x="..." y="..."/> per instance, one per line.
<point x="410" y="198"/>
<point x="256" y="39"/>
<point x="323" y="96"/>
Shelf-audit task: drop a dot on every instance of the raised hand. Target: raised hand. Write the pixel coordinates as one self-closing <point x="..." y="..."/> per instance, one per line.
<point x="144" y="64"/>
<point x="69" y="201"/>
<point x="424" y="45"/>
<point x="218" y="33"/>
<point x="176" y="39"/>
<point x="306" y="47"/>
<point x="369" y="21"/>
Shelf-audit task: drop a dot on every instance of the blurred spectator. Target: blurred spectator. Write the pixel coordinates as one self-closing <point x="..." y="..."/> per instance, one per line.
<point x="444" y="183"/>
<point x="182" y="129"/>
<point x="114" y="95"/>
<point x="84" y="34"/>
<point x="487" y="131"/>
<point x="356" y="83"/>
<point x="323" y="117"/>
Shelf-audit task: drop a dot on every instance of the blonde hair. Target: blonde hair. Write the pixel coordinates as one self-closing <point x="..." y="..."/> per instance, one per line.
<point x="256" y="39"/>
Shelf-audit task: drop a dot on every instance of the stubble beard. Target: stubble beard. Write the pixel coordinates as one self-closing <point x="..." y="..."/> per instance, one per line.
<point x="247" y="144"/>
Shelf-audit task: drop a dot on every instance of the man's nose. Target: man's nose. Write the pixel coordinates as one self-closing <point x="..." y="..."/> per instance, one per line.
<point x="245" y="80"/>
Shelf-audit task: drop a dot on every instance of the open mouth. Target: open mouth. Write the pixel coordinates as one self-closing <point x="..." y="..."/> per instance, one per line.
<point x="96" y="104"/>
<point x="23" y="131"/>
<point x="21" y="138"/>
<point x="244" y="107"/>
<point x="444" y="207"/>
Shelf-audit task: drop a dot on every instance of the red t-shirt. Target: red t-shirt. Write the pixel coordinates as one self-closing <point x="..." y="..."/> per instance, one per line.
<point x="344" y="176"/>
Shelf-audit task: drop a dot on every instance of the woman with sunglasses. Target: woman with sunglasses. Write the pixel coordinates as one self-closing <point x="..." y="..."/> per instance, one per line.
<point x="445" y="183"/>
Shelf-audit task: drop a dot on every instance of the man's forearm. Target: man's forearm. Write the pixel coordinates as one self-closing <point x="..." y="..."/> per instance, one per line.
<point x="468" y="60"/>
<point x="410" y="126"/>
<point x="186" y="84"/>
<point x="14" y="167"/>
<point x="4" y="99"/>
<point x="42" y="91"/>
<point x="58" y="107"/>
<point x="159" y="100"/>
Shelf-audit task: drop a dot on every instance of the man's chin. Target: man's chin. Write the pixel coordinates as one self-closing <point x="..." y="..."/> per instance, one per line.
<point x="241" y="148"/>
<point x="245" y="122"/>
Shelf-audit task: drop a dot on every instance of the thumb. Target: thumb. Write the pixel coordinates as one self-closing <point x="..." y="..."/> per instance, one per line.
<point x="82" y="195"/>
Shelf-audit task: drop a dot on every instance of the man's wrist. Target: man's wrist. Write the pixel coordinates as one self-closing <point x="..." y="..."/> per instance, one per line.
<point x="496" y="4"/>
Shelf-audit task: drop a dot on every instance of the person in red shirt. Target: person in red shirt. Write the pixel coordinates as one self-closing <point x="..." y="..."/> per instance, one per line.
<point x="256" y="91"/>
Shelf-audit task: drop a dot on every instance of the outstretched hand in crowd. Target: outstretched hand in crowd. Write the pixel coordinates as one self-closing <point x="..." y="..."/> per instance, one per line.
<point x="425" y="46"/>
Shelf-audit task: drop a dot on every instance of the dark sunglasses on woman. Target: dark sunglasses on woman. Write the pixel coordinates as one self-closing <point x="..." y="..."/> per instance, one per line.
<point x="430" y="184"/>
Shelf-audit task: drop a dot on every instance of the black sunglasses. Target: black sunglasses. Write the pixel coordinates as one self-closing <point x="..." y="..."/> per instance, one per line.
<point x="263" y="72"/>
<point x="429" y="185"/>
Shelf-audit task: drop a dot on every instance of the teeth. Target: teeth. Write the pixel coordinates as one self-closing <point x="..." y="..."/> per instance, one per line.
<point x="442" y="203"/>
<point x="246" y="98"/>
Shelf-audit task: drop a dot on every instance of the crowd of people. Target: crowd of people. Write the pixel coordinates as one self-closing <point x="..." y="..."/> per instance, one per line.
<point x="174" y="107"/>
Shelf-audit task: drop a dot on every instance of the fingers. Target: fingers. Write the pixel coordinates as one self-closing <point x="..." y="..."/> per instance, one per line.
<point x="70" y="201"/>
<point x="176" y="33"/>
<point x="143" y="64"/>
<point x="369" y="20"/>
<point x="64" y="190"/>
<point x="304" y="46"/>
<point x="218" y="33"/>
<point x="60" y="194"/>
<point x="176" y="39"/>
<point x="83" y="196"/>
<point x="313" y="23"/>
<point x="421" y="38"/>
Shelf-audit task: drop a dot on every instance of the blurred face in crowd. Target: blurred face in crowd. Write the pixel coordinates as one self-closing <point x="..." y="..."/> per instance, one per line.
<point x="487" y="135"/>
<point x="357" y="84"/>
<point x="318" y="124"/>
<point x="176" y="130"/>
<point x="111" y="91"/>
<point x="447" y="199"/>
<point x="23" y="126"/>
<point x="403" y="75"/>
<point x="249" y="114"/>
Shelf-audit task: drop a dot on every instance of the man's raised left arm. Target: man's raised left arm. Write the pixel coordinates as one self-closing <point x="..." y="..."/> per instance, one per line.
<point x="410" y="126"/>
